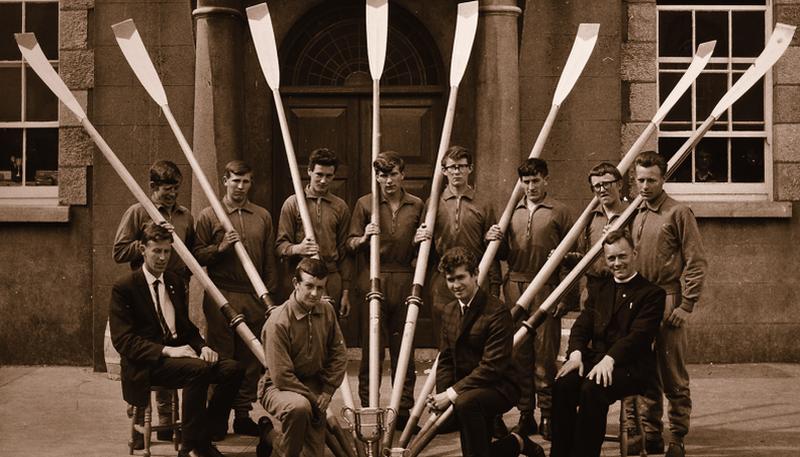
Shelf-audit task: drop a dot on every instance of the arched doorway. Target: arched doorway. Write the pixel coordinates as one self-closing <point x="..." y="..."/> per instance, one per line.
<point x="327" y="90"/>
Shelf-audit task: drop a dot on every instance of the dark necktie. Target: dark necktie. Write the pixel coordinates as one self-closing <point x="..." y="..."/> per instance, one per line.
<point x="164" y="327"/>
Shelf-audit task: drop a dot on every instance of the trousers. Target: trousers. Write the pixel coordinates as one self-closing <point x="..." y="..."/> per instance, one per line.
<point x="303" y="431"/>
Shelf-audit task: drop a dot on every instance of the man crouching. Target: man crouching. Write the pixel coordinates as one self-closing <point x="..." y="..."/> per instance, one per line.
<point x="306" y="361"/>
<point x="611" y="340"/>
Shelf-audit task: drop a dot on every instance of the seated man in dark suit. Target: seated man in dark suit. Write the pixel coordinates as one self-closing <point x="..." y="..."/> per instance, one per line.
<point x="476" y="372"/>
<point x="160" y="346"/>
<point x="611" y="340"/>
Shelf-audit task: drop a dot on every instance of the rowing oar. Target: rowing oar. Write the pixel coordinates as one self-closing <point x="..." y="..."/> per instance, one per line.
<point x="36" y="59"/>
<point x="419" y="406"/>
<point x="377" y="31"/>
<point x="777" y="45"/>
<point x="130" y="42"/>
<point x="701" y="58"/>
<point x="466" y="26"/>
<point x="260" y="22"/>
<point x="581" y="51"/>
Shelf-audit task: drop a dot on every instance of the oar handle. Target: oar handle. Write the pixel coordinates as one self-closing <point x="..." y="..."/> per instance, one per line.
<point x="428" y="435"/>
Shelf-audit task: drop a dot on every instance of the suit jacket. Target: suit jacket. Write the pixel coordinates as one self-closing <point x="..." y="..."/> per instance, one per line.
<point x="136" y="332"/>
<point x="623" y="329"/>
<point x="475" y="351"/>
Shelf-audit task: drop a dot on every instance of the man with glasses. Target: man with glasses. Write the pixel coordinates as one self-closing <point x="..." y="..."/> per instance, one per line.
<point x="538" y="224"/>
<point x="605" y="181"/>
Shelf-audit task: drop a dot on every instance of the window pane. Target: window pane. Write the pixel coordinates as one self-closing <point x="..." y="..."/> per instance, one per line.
<point x="10" y="157"/>
<point x="713" y="26"/>
<point x="682" y="111"/>
<point x="42" y="157"/>
<point x="711" y="160"/>
<point x="667" y="147"/>
<point x="748" y="33"/>
<point x="710" y="88"/>
<point x="747" y="159"/>
<point x="40" y="103"/>
<point x="42" y="19"/>
<point x="10" y="23"/>
<point x="674" y="34"/>
<point x="751" y="106"/>
<point x="11" y="101"/>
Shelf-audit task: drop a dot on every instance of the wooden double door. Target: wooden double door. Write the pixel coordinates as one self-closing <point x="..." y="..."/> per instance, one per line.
<point x="410" y="125"/>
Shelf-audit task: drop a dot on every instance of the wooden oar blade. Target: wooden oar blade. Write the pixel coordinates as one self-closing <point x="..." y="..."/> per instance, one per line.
<point x="777" y="45"/>
<point x="466" y="26"/>
<point x="582" y="49"/>
<point x="377" y="32"/>
<point x="132" y="47"/>
<point x="701" y="58"/>
<point x="260" y="22"/>
<point x="32" y="52"/>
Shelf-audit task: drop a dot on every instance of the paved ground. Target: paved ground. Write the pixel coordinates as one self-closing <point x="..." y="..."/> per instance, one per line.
<point x="740" y="410"/>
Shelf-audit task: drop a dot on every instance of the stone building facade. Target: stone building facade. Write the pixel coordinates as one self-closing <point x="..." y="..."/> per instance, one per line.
<point x="57" y="228"/>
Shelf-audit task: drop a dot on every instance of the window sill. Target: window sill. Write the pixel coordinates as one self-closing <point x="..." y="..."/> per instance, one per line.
<point x="34" y="213"/>
<point x="746" y="209"/>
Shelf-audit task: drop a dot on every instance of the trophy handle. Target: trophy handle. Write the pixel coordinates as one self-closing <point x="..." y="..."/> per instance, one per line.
<point x="391" y="415"/>
<point x="347" y="413"/>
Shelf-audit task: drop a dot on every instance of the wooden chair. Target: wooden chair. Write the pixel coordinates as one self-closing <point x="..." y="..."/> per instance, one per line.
<point x="622" y="437"/>
<point x="147" y="428"/>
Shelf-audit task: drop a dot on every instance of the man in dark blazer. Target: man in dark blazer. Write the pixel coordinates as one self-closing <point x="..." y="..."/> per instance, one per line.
<point x="159" y="345"/>
<point x="611" y="339"/>
<point x="476" y="372"/>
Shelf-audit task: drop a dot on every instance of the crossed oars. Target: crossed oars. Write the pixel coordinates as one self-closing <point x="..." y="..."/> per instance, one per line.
<point x="130" y="42"/>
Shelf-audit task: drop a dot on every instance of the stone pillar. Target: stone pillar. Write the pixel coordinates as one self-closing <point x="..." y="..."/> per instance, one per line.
<point x="497" y="99"/>
<point x="218" y="90"/>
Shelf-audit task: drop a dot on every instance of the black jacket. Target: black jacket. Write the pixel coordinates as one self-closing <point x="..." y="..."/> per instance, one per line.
<point x="136" y="332"/>
<point x="623" y="329"/>
<point x="477" y="353"/>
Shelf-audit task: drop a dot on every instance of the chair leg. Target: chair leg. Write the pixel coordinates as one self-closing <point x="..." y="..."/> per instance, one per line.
<point x="623" y="430"/>
<point x="148" y="418"/>
<point x="176" y="430"/>
<point x="133" y="430"/>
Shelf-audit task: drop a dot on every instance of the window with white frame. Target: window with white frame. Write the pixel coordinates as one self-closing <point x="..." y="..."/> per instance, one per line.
<point x="28" y="110"/>
<point x="734" y="158"/>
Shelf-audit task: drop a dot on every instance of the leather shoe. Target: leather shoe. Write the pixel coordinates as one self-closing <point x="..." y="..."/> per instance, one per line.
<point x="137" y="442"/>
<point x="499" y="429"/>
<point x="544" y="428"/>
<point x="675" y="450"/>
<point x="245" y="426"/>
<point x="264" y="447"/>
<point x="527" y="424"/>
<point x="164" y="435"/>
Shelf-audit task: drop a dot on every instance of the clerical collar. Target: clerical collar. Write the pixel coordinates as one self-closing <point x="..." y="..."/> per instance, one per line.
<point x="626" y="280"/>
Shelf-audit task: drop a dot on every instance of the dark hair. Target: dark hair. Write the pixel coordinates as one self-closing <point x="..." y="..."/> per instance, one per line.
<point x="324" y="157"/>
<point x="649" y="159"/>
<point x="533" y="167"/>
<point x="154" y="232"/>
<point x="457" y="257"/>
<point x="165" y="172"/>
<point x="616" y="235"/>
<point x="604" y="168"/>
<point x="313" y="267"/>
<point x="237" y="167"/>
<point x="456" y="153"/>
<point x="387" y="160"/>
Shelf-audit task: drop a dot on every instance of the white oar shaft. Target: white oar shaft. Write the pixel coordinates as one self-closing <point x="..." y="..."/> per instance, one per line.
<point x="419" y="405"/>
<point x="375" y="346"/>
<point x="291" y="158"/>
<point x="219" y="211"/>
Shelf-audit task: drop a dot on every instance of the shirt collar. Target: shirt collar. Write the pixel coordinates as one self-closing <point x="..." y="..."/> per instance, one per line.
<point x="231" y="208"/>
<point x="175" y="209"/>
<point x="297" y="309"/>
<point x="149" y="277"/>
<point x="311" y="194"/>
<point x="546" y="202"/>
<point x="465" y="306"/>
<point x="468" y="194"/>
<point x="655" y="206"/>
<point x="626" y="280"/>
<point x="405" y="199"/>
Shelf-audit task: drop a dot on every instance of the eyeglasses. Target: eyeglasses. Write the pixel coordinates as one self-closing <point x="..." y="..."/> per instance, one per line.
<point x="602" y="185"/>
<point x="457" y="167"/>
